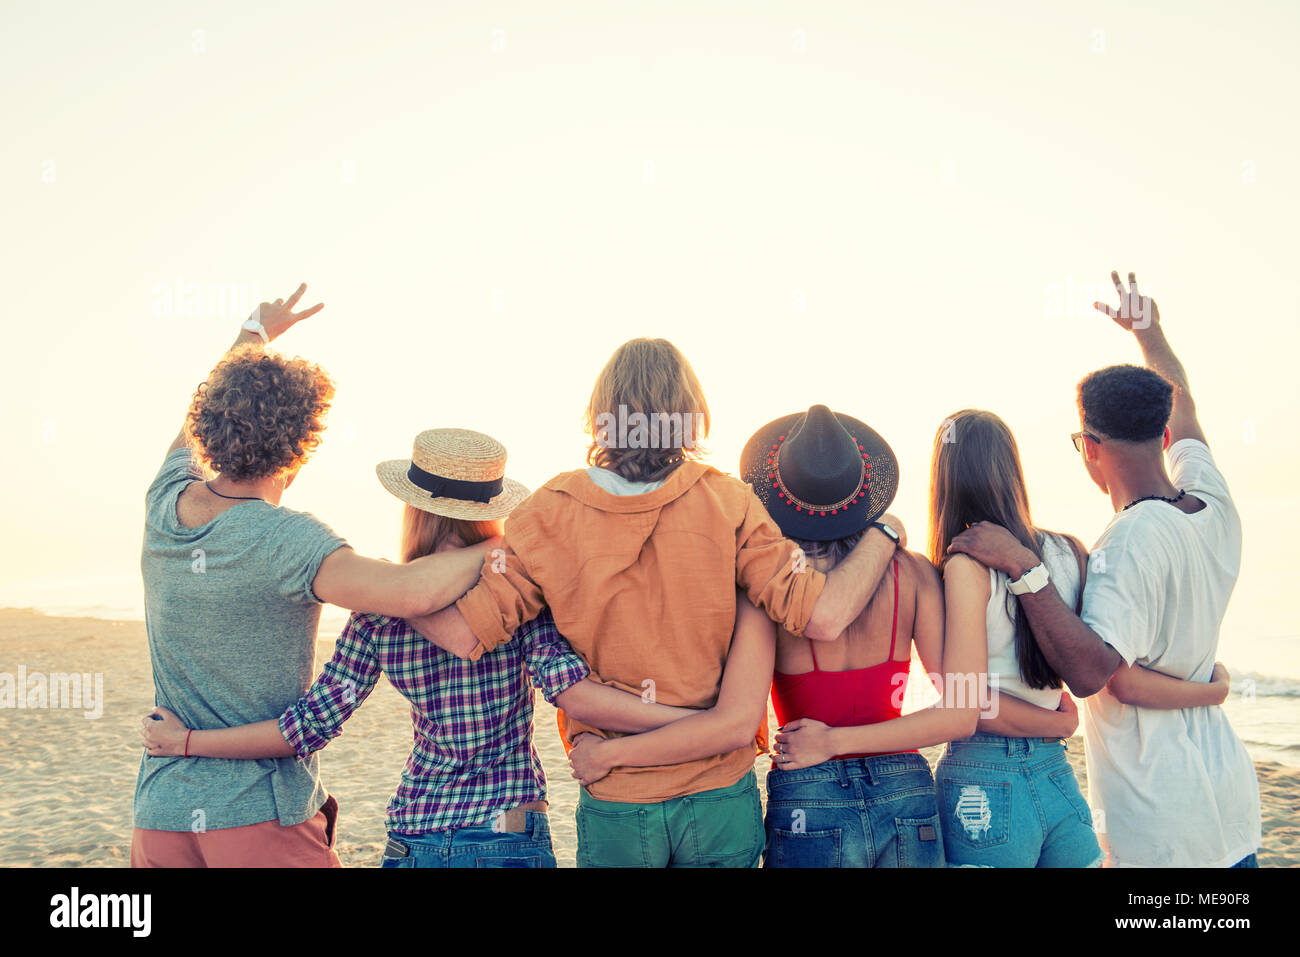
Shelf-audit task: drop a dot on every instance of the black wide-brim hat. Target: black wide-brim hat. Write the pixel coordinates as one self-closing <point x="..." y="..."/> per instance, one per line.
<point x="821" y="475"/>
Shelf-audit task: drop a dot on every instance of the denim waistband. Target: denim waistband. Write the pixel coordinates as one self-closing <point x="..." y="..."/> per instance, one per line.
<point x="537" y="828"/>
<point x="846" y="769"/>
<point x="982" y="742"/>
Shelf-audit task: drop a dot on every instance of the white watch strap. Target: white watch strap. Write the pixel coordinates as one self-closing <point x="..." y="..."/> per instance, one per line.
<point x="1032" y="581"/>
<point x="255" y="325"/>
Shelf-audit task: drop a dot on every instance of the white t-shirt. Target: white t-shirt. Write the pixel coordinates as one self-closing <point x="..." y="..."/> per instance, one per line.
<point x="1174" y="788"/>
<point x="1003" y="666"/>
<point x="615" y="484"/>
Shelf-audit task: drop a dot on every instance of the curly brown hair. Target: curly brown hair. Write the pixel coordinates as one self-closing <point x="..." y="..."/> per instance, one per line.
<point x="259" y="414"/>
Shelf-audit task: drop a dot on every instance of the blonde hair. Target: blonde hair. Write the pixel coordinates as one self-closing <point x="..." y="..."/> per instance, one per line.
<point x="650" y="378"/>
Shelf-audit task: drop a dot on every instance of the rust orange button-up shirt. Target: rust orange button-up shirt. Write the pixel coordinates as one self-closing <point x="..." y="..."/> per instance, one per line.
<point x="644" y="587"/>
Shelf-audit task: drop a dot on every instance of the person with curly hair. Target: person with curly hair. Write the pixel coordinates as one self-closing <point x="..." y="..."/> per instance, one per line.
<point x="1174" y="785"/>
<point x="473" y="790"/>
<point x="233" y="587"/>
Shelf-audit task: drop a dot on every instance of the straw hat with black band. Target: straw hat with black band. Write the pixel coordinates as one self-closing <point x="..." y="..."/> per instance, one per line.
<point x="454" y="472"/>
<point x="822" y="475"/>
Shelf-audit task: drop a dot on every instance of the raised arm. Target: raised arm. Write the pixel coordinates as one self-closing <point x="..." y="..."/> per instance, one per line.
<point x="275" y="317"/>
<point x="1135" y="685"/>
<point x="1139" y="315"/>
<point x="730" y="724"/>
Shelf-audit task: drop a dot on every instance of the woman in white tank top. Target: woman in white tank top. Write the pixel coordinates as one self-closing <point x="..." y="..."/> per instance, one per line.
<point x="1003" y="669"/>
<point x="1007" y="795"/>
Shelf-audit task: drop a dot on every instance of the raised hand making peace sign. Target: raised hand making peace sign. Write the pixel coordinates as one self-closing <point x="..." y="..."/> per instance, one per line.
<point x="1136" y="312"/>
<point x="278" y="316"/>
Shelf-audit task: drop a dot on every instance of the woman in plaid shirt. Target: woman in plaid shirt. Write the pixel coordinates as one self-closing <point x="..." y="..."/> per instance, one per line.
<point x="473" y="792"/>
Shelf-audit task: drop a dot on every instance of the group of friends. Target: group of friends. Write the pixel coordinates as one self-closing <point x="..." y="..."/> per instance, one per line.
<point x="658" y="602"/>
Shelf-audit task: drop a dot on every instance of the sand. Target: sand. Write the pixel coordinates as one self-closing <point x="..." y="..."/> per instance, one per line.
<point x="66" y="781"/>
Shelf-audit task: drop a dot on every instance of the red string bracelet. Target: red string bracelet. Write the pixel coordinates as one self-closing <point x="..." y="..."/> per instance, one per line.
<point x="187" y="741"/>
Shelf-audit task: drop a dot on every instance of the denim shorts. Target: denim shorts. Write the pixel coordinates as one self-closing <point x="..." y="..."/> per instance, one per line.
<point x="1013" y="802"/>
<point x="474" y="847"/>
<point x="722" y="827"/>
<point x="859" y="812"/>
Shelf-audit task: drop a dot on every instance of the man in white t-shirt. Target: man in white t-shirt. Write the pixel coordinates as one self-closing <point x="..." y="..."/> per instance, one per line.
<point x="1174" y="788"/>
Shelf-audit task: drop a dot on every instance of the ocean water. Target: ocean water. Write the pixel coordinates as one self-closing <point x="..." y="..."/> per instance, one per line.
<point x="1264" y="708"/>
<point x="1265" y="713"/>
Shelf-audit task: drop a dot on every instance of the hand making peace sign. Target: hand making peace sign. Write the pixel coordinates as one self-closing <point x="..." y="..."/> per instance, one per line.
<point x="1136" y="312"/>
<point x="278" y="316"/>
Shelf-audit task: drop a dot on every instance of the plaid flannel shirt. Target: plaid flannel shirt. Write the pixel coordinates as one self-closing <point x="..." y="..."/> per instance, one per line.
<point x="473" y="753"/>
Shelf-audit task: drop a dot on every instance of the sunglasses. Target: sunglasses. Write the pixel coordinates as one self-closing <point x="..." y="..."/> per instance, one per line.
<point x="1078" y="437"/>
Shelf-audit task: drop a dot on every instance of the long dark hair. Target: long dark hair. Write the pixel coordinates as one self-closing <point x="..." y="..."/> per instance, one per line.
<point x="975" y="476"/>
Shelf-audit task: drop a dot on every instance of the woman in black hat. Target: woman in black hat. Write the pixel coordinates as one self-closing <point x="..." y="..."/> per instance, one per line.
<point x="836" y="796"/>
<point x="847" y="787"/>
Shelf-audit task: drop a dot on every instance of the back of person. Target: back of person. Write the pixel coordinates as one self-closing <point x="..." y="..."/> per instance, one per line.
<point x="1007" y="794"/>
<point x="1177" y="788"/>
<point x="466" y="763"/>
<point x="231" y="621"/>
<point x="641" y="569"/>
<point x="643" y="587"/>
<point x="847" y="787"/>
<point x="1015" y="801"/>
<point x="859" y="808"/>
<point x="860" y="677"/>
<point x="1003" y="667"/>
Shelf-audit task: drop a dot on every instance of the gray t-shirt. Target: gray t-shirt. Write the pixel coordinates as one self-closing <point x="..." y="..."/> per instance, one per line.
<point x="232" y="624"/>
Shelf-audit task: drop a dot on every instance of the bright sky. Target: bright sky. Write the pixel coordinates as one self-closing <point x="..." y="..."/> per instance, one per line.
<point x="899" y="212"/>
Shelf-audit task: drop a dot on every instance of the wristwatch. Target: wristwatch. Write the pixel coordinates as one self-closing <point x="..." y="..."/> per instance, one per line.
<point x="253" y="324"/>
<point x="1034" y="580"/>
<point x="887" y="530"/>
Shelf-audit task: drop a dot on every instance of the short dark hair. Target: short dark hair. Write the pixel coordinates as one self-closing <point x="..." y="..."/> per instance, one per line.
<point x="1126" y="402"/>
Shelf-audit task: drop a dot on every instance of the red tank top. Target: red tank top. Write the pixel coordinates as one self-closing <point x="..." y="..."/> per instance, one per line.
<point x="844" y="699"/>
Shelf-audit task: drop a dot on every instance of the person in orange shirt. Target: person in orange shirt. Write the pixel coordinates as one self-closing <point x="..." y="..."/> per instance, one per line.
<point x="649" y="560"/>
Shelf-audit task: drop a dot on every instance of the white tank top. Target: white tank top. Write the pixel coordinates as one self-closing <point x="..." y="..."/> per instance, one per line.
<point x="1063" y="567"/>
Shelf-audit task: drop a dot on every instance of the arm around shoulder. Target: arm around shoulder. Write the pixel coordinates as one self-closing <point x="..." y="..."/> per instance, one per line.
<point x="850" y="585"/>
<point x="407" y="590"/>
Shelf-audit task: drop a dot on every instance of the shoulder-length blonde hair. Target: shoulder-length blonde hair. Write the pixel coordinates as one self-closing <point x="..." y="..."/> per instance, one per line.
<point x="646" y="385"/>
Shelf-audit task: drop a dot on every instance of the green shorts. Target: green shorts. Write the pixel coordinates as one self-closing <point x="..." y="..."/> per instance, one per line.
<point x="718" y="828"/>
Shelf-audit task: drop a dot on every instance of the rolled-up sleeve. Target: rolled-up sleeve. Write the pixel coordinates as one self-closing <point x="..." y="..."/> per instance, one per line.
<point x="317" y="717"/>
<point x="769" y="571"/>
<point x="505" y="597"/>
<point x="553" y="665"/>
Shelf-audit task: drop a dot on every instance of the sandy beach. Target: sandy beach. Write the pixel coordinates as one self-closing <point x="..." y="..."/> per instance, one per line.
<point x="68" y="778"/>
